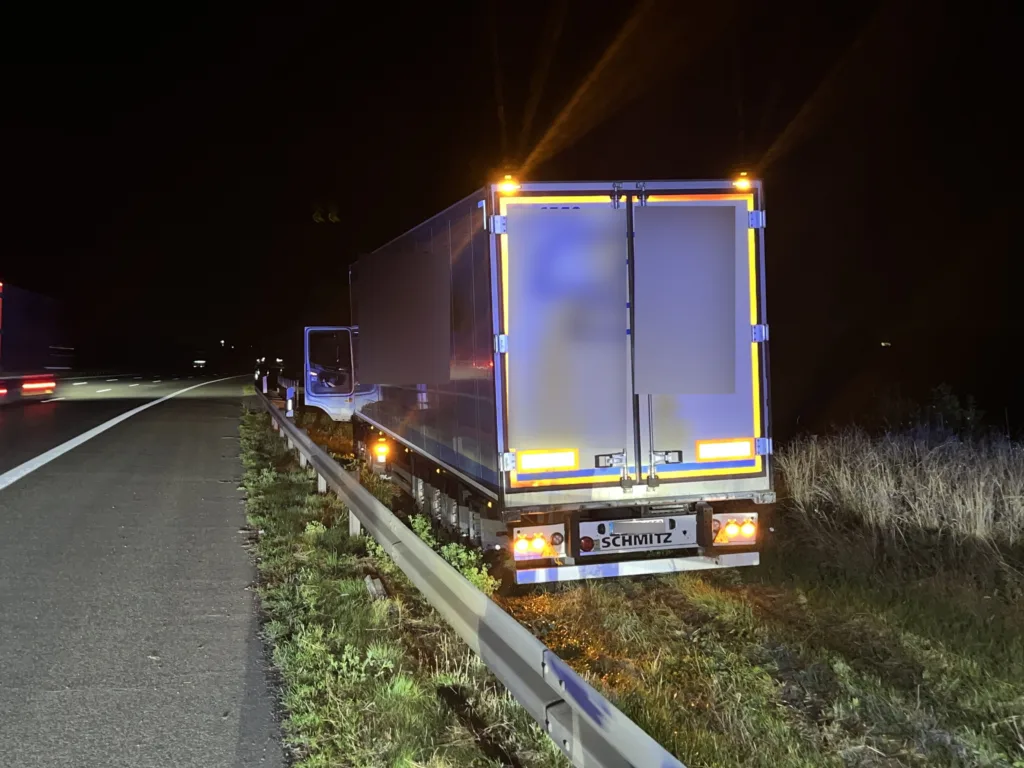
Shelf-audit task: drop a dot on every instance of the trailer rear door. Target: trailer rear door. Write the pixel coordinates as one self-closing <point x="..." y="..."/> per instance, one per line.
<point x="564" y="312"/>
<point x="697" y="336"/>
<point x="572" y="409"/>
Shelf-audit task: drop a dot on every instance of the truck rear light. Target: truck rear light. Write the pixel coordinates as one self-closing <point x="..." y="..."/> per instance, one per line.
<point x="586" y="543"/>
<point x="562" y="459"/>
<point x="734" y="531"/>
<point x="3" y="391"/>
<point x="38" y="386"/>
<point x="535" y="542"/>
<point x="725" y="450"/>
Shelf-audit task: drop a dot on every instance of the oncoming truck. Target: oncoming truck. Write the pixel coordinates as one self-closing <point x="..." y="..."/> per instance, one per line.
<point x="575" y="372"/>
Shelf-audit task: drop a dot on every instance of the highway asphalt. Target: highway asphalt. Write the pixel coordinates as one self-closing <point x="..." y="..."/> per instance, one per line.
<point x="128" y="624"/>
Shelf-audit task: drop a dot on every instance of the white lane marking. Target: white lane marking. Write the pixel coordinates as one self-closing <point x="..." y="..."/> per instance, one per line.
<point x="79" y="383"/>
<point x="111" y="379"/>
<point x="12" y="476"/>
<point x="156" y="381"/>
<point x="136" y="377"/>
<point x="51" y="400"/>
<point x="100" y="391"/>
<point x="132" y="385"/>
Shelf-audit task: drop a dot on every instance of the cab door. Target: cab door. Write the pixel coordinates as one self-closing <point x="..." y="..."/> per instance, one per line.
<point x="328" y="371"/>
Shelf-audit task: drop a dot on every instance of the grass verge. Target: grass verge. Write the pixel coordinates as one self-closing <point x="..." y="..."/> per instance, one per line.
<point x="883" y="628"/>
<point x="365" y="682"/>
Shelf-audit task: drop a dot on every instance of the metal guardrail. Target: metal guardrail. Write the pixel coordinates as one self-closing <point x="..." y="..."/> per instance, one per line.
<point x="585" y="725"/>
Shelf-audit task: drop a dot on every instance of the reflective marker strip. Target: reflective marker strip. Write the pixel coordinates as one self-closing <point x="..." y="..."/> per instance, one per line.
<point x="14" y="475"/>
<point x="718" y="450"/>
<point x="550" y="460"/>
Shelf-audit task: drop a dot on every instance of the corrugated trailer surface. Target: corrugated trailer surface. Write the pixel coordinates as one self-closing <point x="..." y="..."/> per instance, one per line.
<point x="426" y="336"/>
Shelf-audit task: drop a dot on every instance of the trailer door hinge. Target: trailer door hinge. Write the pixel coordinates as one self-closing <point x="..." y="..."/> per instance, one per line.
<point x="763" y="446"/>
<point x="641" y="193"/>
<point x="616" y="195"/>
<point x="501" y="343"/>
<point x="756" y="219"/>
<point x="508" y="462"/>
<point x="499" y="224"/>
<point x="759" y="333"/>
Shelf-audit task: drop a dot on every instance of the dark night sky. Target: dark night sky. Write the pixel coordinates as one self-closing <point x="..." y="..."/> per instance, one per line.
<point x="162" y="165"/>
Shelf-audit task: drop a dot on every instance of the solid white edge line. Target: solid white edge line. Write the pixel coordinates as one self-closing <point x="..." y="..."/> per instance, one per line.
<point x="51" y="400"/>
<point x="12" y="476"/>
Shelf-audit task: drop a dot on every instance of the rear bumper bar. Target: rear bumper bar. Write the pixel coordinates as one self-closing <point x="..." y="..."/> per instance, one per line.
<point x="635" y="568"/>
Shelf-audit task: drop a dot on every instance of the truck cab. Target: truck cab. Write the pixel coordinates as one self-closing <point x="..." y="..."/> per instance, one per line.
<point x="330" y="373"/>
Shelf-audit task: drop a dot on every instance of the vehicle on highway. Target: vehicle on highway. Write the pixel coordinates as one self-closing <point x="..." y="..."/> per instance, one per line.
<point x="34" y="344"/>
<point x="270" y="367"/>
<point x="34" y="336"/>
<point x="576" y="372"/>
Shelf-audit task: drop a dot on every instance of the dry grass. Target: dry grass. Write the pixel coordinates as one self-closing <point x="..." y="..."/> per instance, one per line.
<point x="968" y="490"/>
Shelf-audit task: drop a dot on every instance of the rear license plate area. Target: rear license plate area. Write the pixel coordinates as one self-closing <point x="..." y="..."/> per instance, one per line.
<point x="609" y="537"/>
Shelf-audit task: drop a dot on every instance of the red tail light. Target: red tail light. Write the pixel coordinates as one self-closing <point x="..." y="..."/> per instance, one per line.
<point x="586" y="543"/>
<point x="37" y="386"/>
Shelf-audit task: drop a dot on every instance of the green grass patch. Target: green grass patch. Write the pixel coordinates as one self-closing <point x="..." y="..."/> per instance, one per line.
<point x="883" y="628"/>
<point x="723" y="672"/>
<point x="365" y="682"/>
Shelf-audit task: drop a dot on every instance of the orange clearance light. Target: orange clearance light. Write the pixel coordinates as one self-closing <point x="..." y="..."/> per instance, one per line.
<point x="742" y="183"/>
<point x="732" y="530"/>
<point x="381" y="451"/>
<point x="522" y="545"/>
<point x="508" y="185"/>
<point x="538" y="544"/>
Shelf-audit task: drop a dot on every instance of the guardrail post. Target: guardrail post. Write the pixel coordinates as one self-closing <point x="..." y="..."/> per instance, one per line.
<point x="264" y="385"/>
<point x="302" y="460"/>
<point x="355" y="528"/>
<point x="290" y="406"/>
<point x="321" y="484"/>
